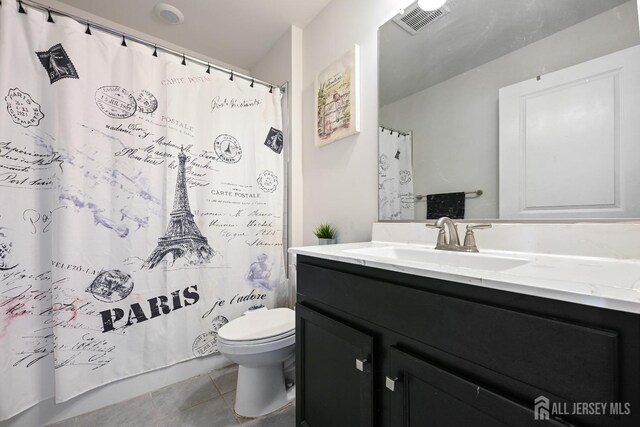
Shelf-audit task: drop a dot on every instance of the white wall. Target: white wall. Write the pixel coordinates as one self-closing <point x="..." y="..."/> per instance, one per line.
<point x="455" y="123"/>
<point x="275" y="66"/>
<point x="341" y="179"/>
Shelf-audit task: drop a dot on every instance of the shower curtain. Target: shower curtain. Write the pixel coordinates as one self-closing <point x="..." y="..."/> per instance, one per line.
<point x="395" y="176"/>
<point x="141" y="207"/>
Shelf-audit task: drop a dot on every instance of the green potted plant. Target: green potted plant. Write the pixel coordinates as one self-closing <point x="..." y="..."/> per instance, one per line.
<point x="326" y="234"/>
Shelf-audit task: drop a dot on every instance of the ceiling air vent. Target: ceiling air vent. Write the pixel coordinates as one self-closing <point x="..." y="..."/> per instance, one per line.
<point x="415" y="19"/>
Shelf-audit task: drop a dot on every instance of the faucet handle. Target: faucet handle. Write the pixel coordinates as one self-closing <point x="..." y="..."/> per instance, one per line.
<point x="477" y="226"/>
<point x="470" y="238"/>
<point x="441" y="234"/>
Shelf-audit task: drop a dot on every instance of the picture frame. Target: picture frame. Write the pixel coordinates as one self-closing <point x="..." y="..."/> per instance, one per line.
<point x="337" y="99"/>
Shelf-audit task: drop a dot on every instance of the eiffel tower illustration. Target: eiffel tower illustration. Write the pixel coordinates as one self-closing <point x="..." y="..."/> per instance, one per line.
<point x="182" y="238"/>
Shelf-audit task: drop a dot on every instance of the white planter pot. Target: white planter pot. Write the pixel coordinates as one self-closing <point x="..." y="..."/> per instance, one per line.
<point x="327" y="241"/>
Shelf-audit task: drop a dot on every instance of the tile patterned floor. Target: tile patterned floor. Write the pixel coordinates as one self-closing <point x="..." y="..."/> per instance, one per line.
<point x="203" y="401"/>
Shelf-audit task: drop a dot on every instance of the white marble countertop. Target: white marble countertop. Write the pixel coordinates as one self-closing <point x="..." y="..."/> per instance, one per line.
<point x="596" y="281"/>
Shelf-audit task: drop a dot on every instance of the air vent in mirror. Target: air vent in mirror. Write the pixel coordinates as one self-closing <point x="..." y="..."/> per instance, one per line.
<point x="415" y="19"/>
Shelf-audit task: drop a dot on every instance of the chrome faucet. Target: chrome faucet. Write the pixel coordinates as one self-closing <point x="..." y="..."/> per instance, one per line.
<point x="448" y="239"/>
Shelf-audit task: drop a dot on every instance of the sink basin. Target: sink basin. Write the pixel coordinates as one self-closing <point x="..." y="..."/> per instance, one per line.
<point x="477" y="261"/>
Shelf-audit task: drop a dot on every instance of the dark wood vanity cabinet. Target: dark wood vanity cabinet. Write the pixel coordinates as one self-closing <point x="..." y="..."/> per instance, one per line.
<point x="337" y="375"/>
<point x="380" y="348"/>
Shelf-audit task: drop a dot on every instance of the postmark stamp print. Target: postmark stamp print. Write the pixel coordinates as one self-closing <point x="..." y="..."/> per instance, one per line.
<point x="218" y="322"/>
<point x="227" y="148"/>
<point x="23" y="109"/>
<point x="111" y="286"/>
<point x="115" y="102"/>
<point x="405" y="177"/>
<point x="268" y="181"/>
<point x="57" y="63"/>
<point x="205" y="344"/>
<point x="383" y="162"/>
<point x="146" y="101"/>
<point x="6" y="247"/>
<point x="275" y="140"/>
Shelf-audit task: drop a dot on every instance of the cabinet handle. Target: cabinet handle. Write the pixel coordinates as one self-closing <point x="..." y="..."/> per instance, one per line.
<point x="360" y="364"/>
<point x="391" y="383"/>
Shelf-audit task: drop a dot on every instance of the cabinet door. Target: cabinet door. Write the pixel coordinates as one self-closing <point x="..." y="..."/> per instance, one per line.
<point x="334" y="372"/>
<point x="420" y="394"/>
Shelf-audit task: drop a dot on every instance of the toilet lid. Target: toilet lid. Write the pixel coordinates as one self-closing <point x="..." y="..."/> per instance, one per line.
<point x="259" y="325"/>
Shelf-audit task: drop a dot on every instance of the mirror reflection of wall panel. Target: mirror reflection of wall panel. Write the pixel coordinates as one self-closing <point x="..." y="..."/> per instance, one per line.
<point x="569" y="141"/>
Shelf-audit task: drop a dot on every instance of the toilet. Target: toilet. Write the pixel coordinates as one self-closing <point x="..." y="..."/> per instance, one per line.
<point x="260" y="342"/>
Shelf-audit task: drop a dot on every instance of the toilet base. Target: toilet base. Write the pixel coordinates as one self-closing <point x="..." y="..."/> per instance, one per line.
<point x="260" y="390"/>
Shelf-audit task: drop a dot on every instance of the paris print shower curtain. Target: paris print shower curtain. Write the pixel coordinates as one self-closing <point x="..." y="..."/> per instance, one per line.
<point x="141" y="207"/>
<point x="396" y="200"/>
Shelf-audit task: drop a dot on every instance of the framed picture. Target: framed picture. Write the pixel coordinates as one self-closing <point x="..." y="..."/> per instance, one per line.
<point x="337" y="99"/>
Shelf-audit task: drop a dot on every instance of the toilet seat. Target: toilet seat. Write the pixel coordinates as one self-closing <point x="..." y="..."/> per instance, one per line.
<point x="260" y="327"/>
<point x="251" y="347"/>
<point x="258" y="341"/>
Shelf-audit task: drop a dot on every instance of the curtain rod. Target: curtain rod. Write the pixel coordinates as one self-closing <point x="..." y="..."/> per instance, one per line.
<point x="111" y="31"/>
<point x="394" y="130"/>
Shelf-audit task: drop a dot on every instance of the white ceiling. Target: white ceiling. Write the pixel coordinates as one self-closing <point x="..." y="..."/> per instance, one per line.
<point x="237" y="32"/>
<point x="472" y="34"/>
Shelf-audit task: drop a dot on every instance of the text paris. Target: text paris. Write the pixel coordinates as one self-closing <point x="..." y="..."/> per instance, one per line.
<point x="156" y="307"/>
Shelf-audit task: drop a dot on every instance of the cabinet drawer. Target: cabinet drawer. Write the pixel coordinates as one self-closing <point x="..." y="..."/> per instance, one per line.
<point x="576" y="363"/>
<point x="425" y="395"/>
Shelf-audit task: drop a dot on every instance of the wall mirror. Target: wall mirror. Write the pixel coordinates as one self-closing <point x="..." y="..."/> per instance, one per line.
<point x="505" y="109"/>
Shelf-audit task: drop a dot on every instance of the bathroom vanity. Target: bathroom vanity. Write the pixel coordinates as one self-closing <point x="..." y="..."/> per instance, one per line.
<point x="384" y="339"/>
